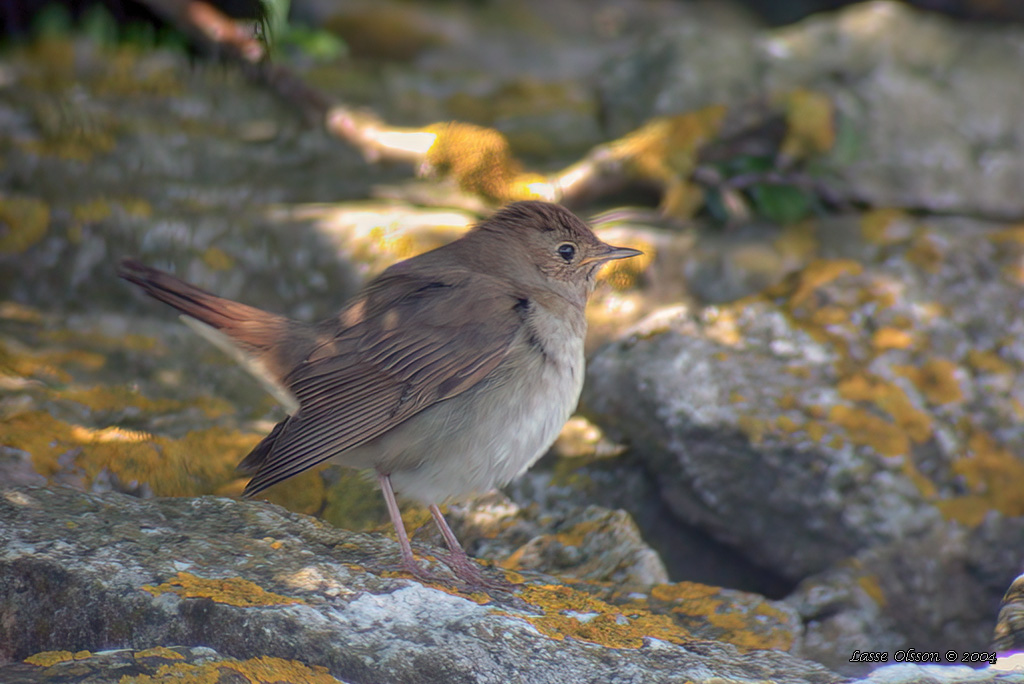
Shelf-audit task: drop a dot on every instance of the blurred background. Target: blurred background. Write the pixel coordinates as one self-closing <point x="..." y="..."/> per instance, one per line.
<point x="807" y="395"/>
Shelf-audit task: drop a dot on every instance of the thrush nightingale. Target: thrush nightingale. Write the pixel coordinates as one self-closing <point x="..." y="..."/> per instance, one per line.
<point x="449" y="374"/>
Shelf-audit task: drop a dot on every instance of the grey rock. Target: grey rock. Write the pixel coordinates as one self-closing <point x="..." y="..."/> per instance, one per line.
<point x="252" y="580"/>
<point x="926" y="114"/>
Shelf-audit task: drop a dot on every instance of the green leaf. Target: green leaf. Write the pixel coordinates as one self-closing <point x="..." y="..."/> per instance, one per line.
<point x="781" y="203"/>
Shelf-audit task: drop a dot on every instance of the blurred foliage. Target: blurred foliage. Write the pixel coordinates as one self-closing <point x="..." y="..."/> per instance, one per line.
<point x="55" y="19"/>
<point x="100" y="25"/>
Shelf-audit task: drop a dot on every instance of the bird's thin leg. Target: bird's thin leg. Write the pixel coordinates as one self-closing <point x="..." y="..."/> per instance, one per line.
<point x="384" y="480"/>
<point x="461" y="564"/>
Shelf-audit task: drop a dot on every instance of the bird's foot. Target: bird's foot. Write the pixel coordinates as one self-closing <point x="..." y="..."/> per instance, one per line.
<point x="474" y="578"/>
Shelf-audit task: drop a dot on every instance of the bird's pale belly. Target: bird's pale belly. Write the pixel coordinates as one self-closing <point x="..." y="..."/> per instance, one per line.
<point x="491" y="434"/>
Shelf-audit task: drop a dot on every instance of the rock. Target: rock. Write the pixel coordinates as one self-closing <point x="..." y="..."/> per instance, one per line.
<point x="254" y="581"/>
<point x="159" y="664"/>
<point x="863" y="409"/>
<point x="924" y="117"/>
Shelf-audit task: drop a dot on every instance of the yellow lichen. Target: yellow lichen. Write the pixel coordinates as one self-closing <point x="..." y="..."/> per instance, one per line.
<point x="804" y="284"/>
<point x="573" y="614"/>
<point x="798" y="242"/>
<point x="995" y="477"/>
<point x="159" y="652"/>
<point x="48" y="658"/>
<point x="262" y="670"/>
<point x="478" y="158"/>
<point x="925" y="252"/>
<point x="885" y="226"/>
<point x="787" y="424"/>
<point x="197" y="463"/>
<point x="753" y="428"/>
<point x="24" y="221"/>
<point x="93" y="211"/>
<point x="891" y="338"/>
<point x="815" y="431"/>
<point x="217" y="259"/>
<point x="124" y="76"/>
<point x="664" y="151"/>
<point x="988" y="362"/>
<point x="936" y="380"/>
<point x="871" y="586"/>
<point x="810" y="124"/>
<point x="890" y="399"/>
<point x="748" y="622"/>
<point x="722" y="327"/>
<point x="233" y="591"/>
<point x="867" y="429"/>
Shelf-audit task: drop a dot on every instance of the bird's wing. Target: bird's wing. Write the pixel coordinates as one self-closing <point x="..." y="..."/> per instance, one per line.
<point x="410" y="341"/>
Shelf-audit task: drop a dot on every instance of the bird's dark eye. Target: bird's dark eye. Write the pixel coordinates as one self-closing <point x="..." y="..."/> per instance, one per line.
<point x="567" y="251"/>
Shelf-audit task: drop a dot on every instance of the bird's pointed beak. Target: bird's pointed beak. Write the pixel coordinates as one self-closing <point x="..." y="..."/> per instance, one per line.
<point x="608" y="253"/>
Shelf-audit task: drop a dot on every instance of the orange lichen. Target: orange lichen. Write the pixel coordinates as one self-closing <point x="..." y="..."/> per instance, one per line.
<point x="233" y="591"/>
<point x="936" y="380"/>
<point x="158" y="652"/>
<point x="885" y="226"/>
<point x="197" y="463"/>
<point x="573" y="614"/>
<point x="866" y="429"/>
<point x="802" y="286"/>
<point x="721" y="326"/>
<point x="747" y="621"/>
<point x="871" y="586"/>
<point x="890" y="399"/>
<point x="891" y="338"/>
<point x="995" y="477"/>
<point x="262" y="670"/>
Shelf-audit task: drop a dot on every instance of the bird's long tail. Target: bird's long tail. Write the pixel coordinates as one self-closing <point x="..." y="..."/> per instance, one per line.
<point x="259" y="340"/>
<point x="252" y="328"/>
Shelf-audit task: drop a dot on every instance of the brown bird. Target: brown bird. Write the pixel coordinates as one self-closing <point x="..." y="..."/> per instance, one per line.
<point x="449" y="374"/>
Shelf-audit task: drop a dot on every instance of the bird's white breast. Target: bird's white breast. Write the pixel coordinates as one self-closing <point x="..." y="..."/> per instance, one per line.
<point x="497" y="430"/>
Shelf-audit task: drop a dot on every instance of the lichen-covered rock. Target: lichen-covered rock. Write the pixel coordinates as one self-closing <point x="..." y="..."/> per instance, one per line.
<point x="924" y="117"/>
<point x="254" y="581"/>
<point x="863" y="408"/>
<point x="157" y="665"/>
